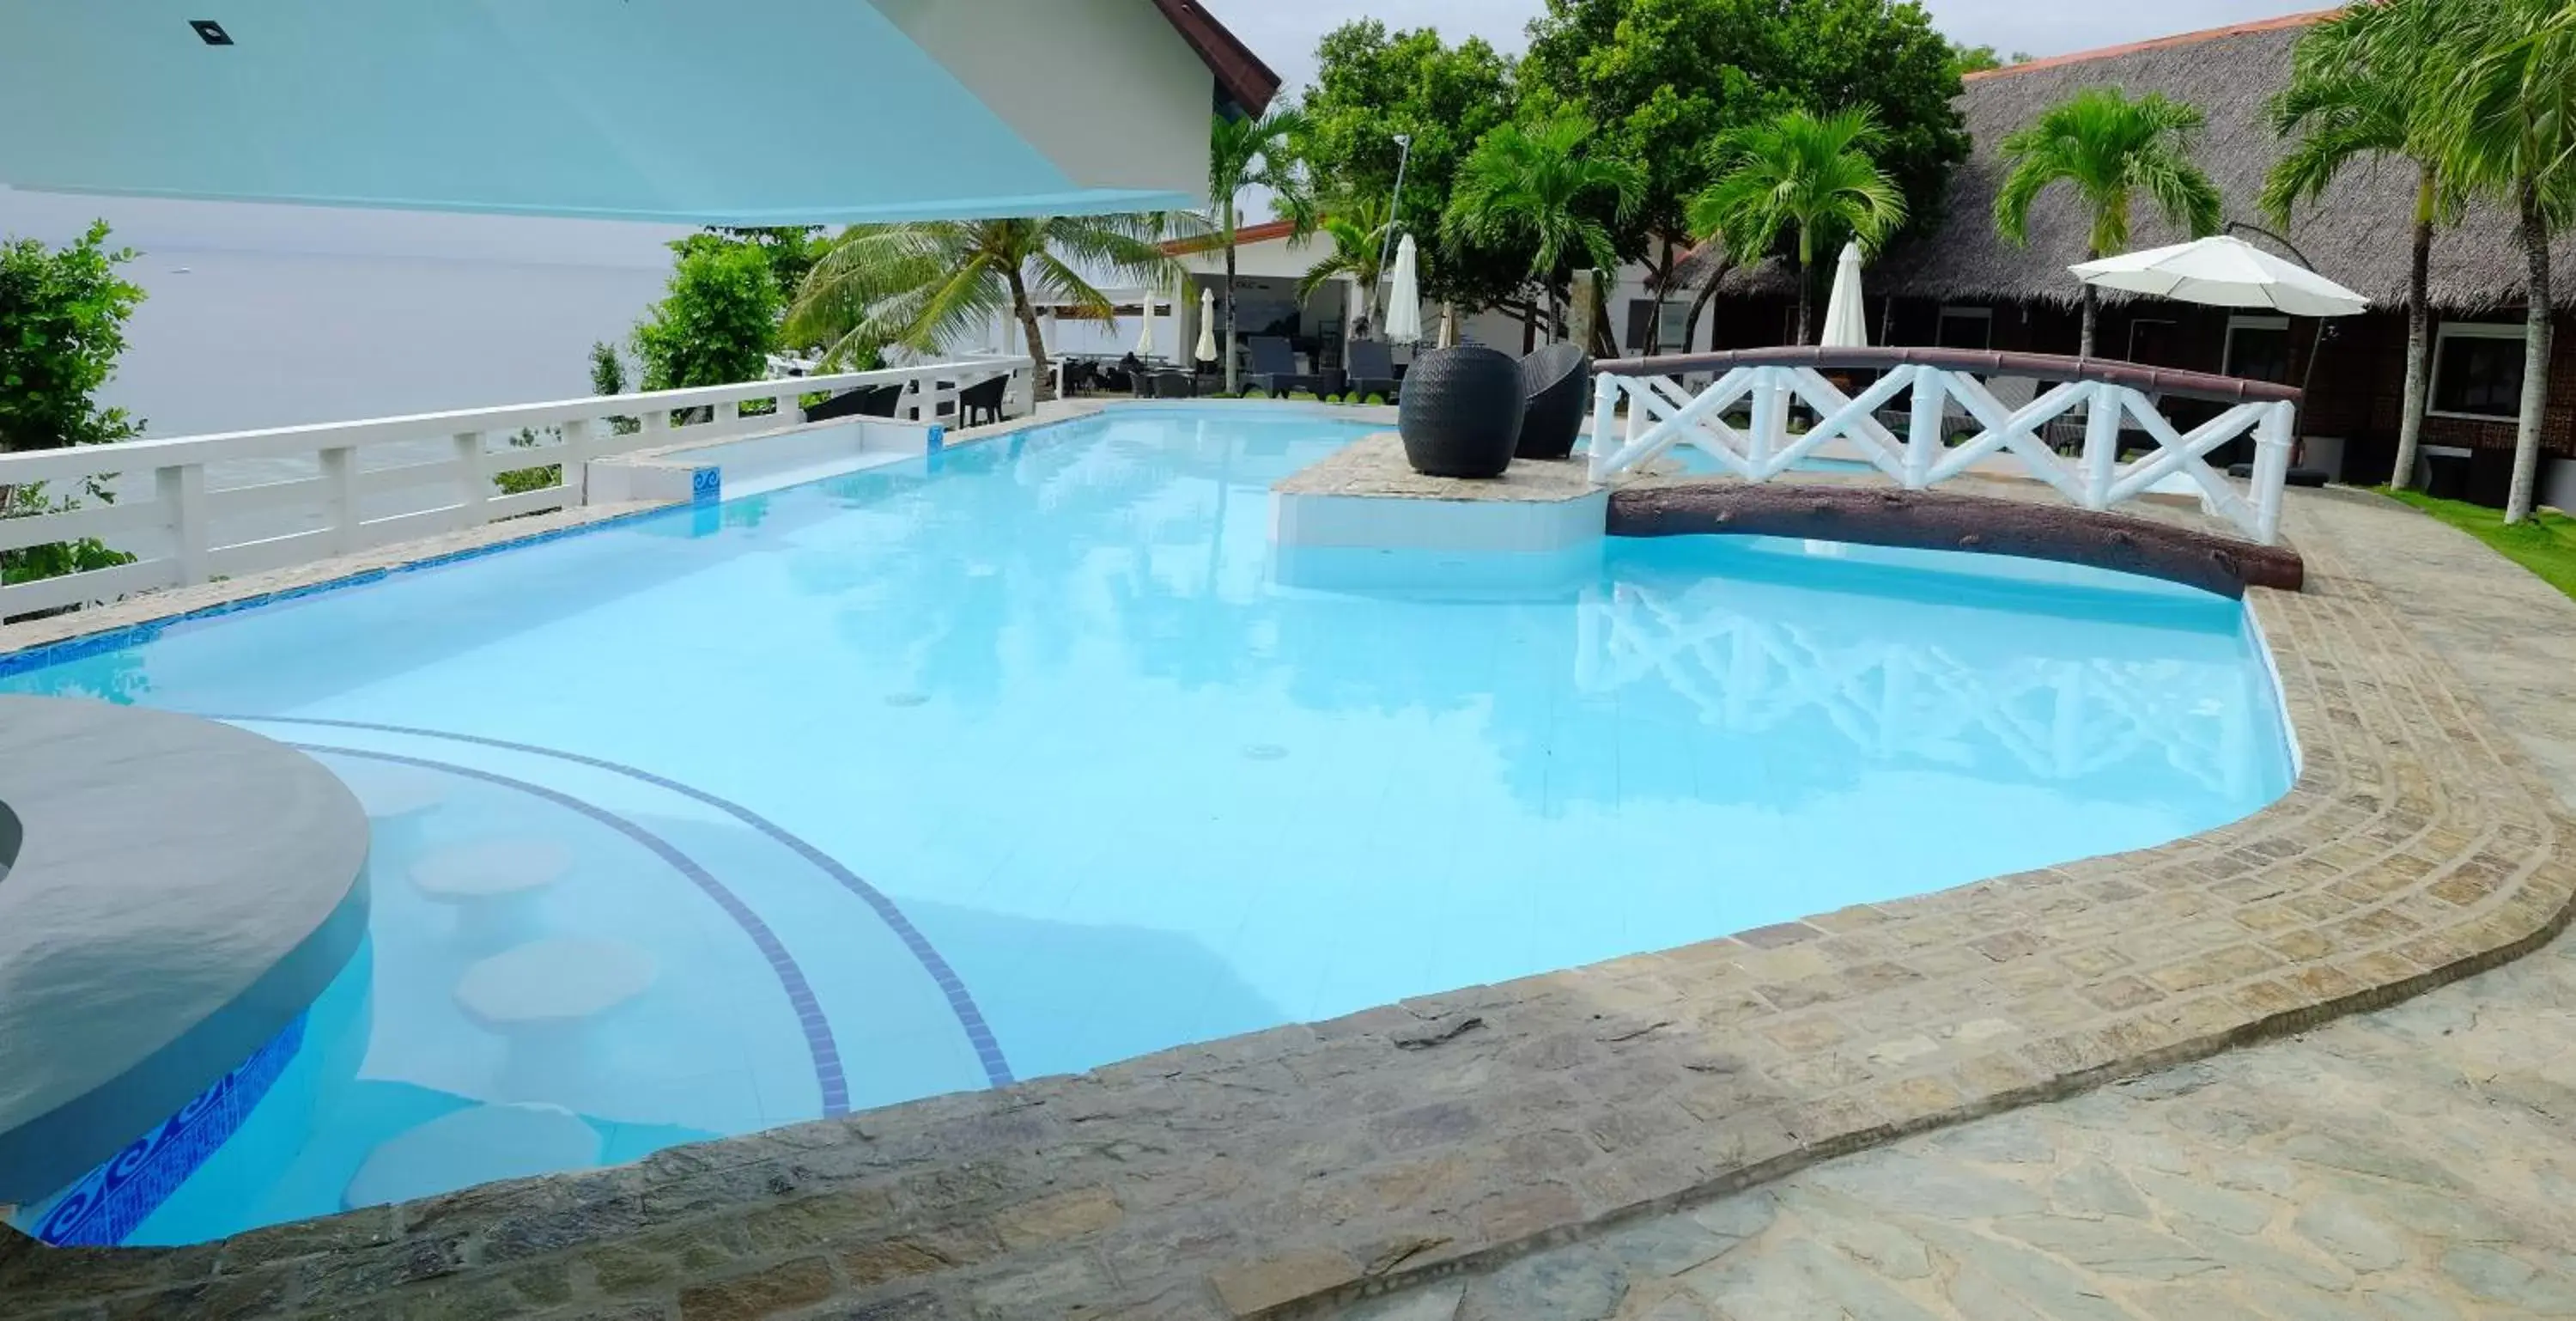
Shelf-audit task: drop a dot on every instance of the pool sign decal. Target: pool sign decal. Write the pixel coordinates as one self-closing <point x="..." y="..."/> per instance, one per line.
<point x="706" y="485"/>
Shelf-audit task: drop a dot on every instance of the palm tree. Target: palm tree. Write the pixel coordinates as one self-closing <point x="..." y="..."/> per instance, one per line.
<point x="1530" y="184"/>
<point x="1358" y="232"/>
<point x="1253" y="153"/>
<point x="2110" y="148"/>
<point x="1798" y="171"/>
<point x="2506" y="82"/>
<point x="2358" y="91"/>
<point x="920" y="284"/>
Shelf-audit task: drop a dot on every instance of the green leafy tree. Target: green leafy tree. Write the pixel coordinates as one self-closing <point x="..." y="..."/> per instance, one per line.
<point x="717" y="322"/>
<point x="1806" y="176"/>
<point x="2110" y="149"/>
<point x="1373" y="88"/>
<point x="922" y="284"/>
<point x="1530" y="186"/>
<point x="2506" y="79"/>
<point x="1253" y="153"/>
<point x="2358" y="92"/>
<point x="1359" y="232"/>
<point x="1983" y="59"/>
<point x="1665" y="78"/>
<point x="62" y="326"/>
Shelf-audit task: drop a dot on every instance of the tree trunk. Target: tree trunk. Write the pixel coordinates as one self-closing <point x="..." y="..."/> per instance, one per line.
<point x="1663" y="289"/>
<point x="1233" y="374"/>
<point x="2092" y="307"/>
<point x="2535" y="359"/>
<point x="1529" y="328"/>
<point x="1806" y="283"/>
<point x="1042" y="385"/>
<point x="2419" y="336"/>
<point x="1699" y="305"/>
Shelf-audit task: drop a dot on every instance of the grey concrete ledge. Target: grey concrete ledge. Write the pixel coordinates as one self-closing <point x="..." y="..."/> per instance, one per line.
<point x="182" y="891"/>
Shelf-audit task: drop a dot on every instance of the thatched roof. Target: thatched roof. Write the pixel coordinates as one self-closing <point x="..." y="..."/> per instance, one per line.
<point x="2357" y="234"/>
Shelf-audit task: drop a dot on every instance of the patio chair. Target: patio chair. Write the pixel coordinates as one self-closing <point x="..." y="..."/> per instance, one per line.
<point x="866" y="401"/>
<point x="1168" y="385"/>
<point x="1274" y="369"/>
<point x="984" y="397"/>
<point x="1372" y="369"/>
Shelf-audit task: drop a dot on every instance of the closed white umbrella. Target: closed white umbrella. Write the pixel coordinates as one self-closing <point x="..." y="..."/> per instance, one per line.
<point x="1145" y="341"/>
<point x="2223" y="271"/>
<point x="1207" y="325"/>
<point x="1404" y="296"/>
<point x="1846" y="323"/>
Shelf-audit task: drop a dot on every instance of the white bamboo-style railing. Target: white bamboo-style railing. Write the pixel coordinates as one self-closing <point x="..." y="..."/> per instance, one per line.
<point x="200" y="507"/>
<point x="1941" y="393"/>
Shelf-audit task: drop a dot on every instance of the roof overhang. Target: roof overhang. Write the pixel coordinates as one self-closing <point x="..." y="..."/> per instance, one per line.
<point x="688" y="111"/>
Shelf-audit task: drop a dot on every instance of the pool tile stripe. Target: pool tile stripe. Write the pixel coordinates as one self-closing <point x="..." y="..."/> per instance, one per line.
<point x="961" y="1002"/>
<point x="828" y="1073"/>
<point x="112" y="1201"/>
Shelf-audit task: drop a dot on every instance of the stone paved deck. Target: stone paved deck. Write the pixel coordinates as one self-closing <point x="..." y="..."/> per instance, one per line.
<point x="2410" y="1164"/>
<point x="1296" y="1170"/>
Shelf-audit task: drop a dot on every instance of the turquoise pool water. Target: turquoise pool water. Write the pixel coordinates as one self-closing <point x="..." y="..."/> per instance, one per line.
<point x="1019" y="760"/>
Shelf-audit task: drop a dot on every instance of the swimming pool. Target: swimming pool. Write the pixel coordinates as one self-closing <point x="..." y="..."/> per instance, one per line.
<point x="1017" y="760"/>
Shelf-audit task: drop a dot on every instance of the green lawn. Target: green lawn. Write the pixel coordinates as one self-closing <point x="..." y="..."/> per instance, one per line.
<point x="2545" y="544"/>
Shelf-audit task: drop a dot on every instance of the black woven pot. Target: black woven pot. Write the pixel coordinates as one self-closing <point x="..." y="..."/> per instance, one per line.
<point x="1461" y="415"/>
<point x="1556" y="381"/>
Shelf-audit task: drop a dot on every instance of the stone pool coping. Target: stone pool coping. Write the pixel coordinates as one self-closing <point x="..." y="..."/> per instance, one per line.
<point x="1291" y="1170"/>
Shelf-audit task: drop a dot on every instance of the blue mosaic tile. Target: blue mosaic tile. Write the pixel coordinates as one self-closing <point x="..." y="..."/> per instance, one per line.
<point x="706" y="485"/>
<point x="122" y="1193"/>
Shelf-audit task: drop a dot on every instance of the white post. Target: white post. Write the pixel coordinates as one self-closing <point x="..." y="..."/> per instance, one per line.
<point x="2101" y="445"/>
<point x="340" y="503"/>
<point x="183" y="493"/>
<point x="787" y="410"/>
<point x="477" y="487"/>
<point x="1770" y="418"/>
<point x="1605" y="415"/>
<point x="576" y="466"/>
<point x="1923" y="434"/>
<point x="2273" y="438"/>
<point x="728" y="412"/>
<point x="656" y="422"/>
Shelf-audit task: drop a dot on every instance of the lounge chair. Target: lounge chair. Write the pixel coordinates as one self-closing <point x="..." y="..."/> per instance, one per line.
<point x="1168" y="385"/>
<point x="984" y="397"/>
<point x="1372" y="369"/>
<point x="866" y="401"/>
<point x="1274" y="369"/>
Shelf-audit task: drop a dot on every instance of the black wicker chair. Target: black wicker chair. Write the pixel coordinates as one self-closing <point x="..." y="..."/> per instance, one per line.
<point x="1554" y="383"/>
<point x="1274" y="369"/>
<point x="983" y="397"/>
<point x="1169" y="385"/>
<point x="866" y="401"/>
<point x="1372" y="370"/>
<point x="1462" y="412"/>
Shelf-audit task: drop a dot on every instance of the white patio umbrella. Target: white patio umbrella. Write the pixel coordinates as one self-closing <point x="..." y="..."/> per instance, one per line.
<point x="1145" y="341"/>
<point x="1207" y="326"/>
<point x="2223" y="271"/>
<point x="1846" y="323"/>
<point x="1404" y="296"/>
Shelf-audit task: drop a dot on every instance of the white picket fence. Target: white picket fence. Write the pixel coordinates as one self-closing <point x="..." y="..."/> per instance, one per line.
<point x="1937" y="392"/>
<point x="200" y="507"/>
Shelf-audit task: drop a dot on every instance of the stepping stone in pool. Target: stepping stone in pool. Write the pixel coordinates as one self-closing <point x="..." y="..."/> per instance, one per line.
<point x="492" y="884"/>
<point x="477" y="1145"/>
<point x="552" y="984"/>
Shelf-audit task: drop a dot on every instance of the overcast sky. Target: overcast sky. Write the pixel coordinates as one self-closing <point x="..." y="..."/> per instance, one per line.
<point x="1284" y="32"/>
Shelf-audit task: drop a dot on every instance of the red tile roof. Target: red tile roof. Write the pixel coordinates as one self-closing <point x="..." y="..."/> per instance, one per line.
<point x="2160" y="43"/>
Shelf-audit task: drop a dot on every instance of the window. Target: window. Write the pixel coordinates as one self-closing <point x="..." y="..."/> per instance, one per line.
<point x="1672" y="329"/>
<point x="1966" y="328"/>
<point x="2477" y="370"/>
<point x="2258" y="348"/>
